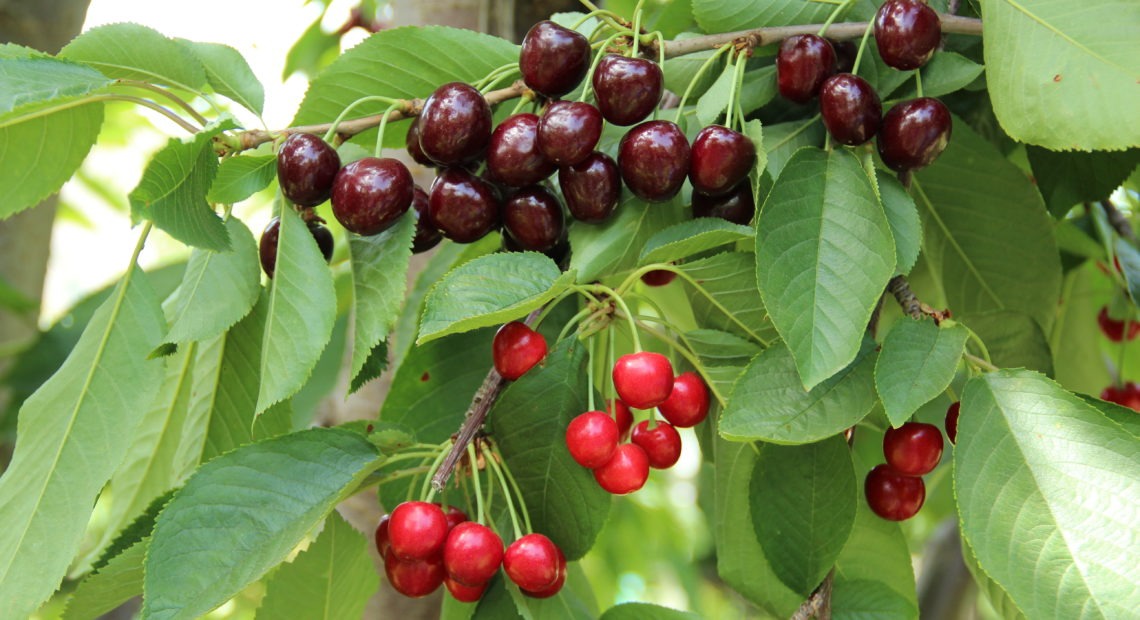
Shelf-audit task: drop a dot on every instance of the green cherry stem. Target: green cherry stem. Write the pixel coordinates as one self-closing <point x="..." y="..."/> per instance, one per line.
<point x="979" y="362"/>
<point x="496" y="73"/>
<point x="589" y="79"/>
<point x="696" y="78"/>
<point x="629" y="315"/>
<point x="636" y="34"/>
<point x="610" y="18"/>
<point x="502" y="468"/>
<point x="494" y="467"/>
<point x="400" y="474"/>
<point x="839" y="8"/>
<point x="862" y="47"/>
<point x="590" y="373"/>
<point x="475" y="480"/>
<point x="179" y="101"/>
<point x="981" y="346"/>
<point x="383" y="126"/>
<point x="352" y="106"/>
<point x="738" y="87"/>
<point x="918" y="82"/>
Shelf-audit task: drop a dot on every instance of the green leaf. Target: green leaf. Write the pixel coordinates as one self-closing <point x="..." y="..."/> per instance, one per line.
<point x="902" y="216"/>
<point x="1126" y="417"/>
<point x="1047" y="492"/>
<point x="302" y="309"/>
<point x="719" y="16"/>
<point x="645" y="611"/>
<point x="242" y="513"/>
<point x="693" y="237"/>
<point x="332" y="579"/>
<point x="134" y="52"/>
<point x="783" y="140"/>
<point x="1066" y="179"/>
<point x="314" y="49"/>
<point x="239" y="178"/>
<point x="26" y="81"/>
<point x="529" y="424"/>
<point x="803" y="507"/>
<point x="758" y="89"/>
<point x="731" y="280"/>
<point x="491" y="290"/>
<point x="1060" y="78"/>
<point x="917" y="363"/>
<point x="866" y="598"/>
<point x="1014" y="339"/>
<point x="946" y="72"/>
<point x="373" y="366"/>
<point x="873" y="574"/>
<point x="723" y="355"/>
<point x="967" y="194"/>
<point x="229" y="74"/>
<point x="615" y="245"/>
<point x="217" y="290"/>
<point x="713" y="103"/>
<point x="824" y="254"/>
<point x="769" y="402"/>
<point x="755" y="132"/>
<point x="71" y="439"/>
<point x="109" y="587"/>
<point x="379" y="279"/>
<point x="992" y="590"/>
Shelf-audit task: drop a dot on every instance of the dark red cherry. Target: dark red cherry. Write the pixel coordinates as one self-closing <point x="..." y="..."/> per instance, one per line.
<point x="1127" y="395"/>
<point x="569" y="131"/>
<point x="413" y="578"/>
<point x="472" y="553"/>
<point x="626" y="472"/>
<point x="412" y="144"/>
<point x="658" y="277"/>
<point x="532" y="562"/>
<point x="516" y="349"/>
<point x="850" y="108"/>
<point x="688" y="402"/>
<point x="654" y="160"/>
<point x="907" y="32"/>
<point x="591" y="187"/>
<point x="323" y="237"/>
<point x="462" y="206"/>
<point x="427" y="236"/>
<point x="553" y="59"/>
<point x="845" y="53"/>
<point x="534" y="219"/>
<point x="643" y="380"/>
<point x="592" y="439"/>
<point x="369" y="195"/>
<point x="553" y="588"/>
<point x="737" y="206"/>
<point x="914" y="133"/>
<point x="1113" y="329"/>
<point x="802" y="64"/>
<point x="892" y="495"/>
<point x="455" y="124"/>
<point x="306" y="167"/>
<point x="464" y="593"/>
<point x="662" y="443"/>
<point x="952" y="420"/>
<point x="622" y="415"/>
<point x="271" y="236"/>
<point x="513" y="157"/>
<point x="721" y="160"/>
<point x="627" y="89"/>
<point x="913" y="449"/>
<point x="417" y="531"/>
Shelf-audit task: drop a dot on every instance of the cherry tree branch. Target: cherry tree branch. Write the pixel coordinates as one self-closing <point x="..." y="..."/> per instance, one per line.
<point x="910" y="303"/>
<point x="818" y="605"/>
<point x="1118" y="221"/>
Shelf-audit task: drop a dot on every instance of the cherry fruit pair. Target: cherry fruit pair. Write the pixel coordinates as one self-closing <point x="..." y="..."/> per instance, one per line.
<point x="895" y="490"/>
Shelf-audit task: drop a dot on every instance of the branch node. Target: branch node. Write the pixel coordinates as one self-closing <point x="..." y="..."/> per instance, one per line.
<point x="911" y="304"/>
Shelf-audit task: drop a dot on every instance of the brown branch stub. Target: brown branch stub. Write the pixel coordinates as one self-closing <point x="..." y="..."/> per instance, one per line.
<point x="818" y="605"/>
<point x="1118" y="221"/>
<point x="911" y="304"/>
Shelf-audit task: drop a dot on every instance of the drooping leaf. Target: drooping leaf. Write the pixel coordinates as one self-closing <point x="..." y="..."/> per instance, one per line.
<point x="614" y="246"/>
<point x="693" y="237"/>
<point x="824" y="254"/>
<point x="902" y="216"/>
<point x="134" y="52"/>
<point x="239" y="178"/>
<point x="109" y="587"/>
<point x="645" y="611"/>
<point x="716" y="16"/>
<point x="71" y="439"/>
<point x="243" y="512"/>
<point x="917" y="363"/>
<point x="1047" y="489"/>
<point x="379" y="275"/>
<point x="1013" y="339"/>
<point x="731" y="280"/>
<point x="229" y="74"/>
<point x="1069" y="178"/>
<point x="33" y="80"/>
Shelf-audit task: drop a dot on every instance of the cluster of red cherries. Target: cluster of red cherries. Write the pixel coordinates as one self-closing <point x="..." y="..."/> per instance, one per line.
<point x="895" y="490"/>
<point x="1119" y="330"/>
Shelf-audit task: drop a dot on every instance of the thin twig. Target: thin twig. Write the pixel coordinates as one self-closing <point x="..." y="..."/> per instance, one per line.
<point x="818" y="605"/>
<point x="1118" y="221"/>
<point x="911" y="304"/>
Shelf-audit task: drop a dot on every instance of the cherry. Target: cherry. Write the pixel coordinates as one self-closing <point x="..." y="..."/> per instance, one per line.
<point x="533" y="219"/>
<point x="914" y="133"/>
<point x="532" y="562"/>
<point x="626" y="472"/>
<point x="555" y="587"/>
<point x="643" y="380"/>
<point x="907" y="32"/>
<point x="658" y="277"/>
<point x="913" y="449"/>
<point x="569" y="131"/>
<point x="323" y="237"/>
<point x="622" y="415"/>
<point x="662" y="443"/>
<point x="892" y="495"/>
<point x="271" y="236"/>
<point x="454" y="516"/>
<point x="513" y="157"/>
<point x="952" y="421"/>
<point x="455" y="124"/>
<point x="688" y="403"/>
<point x="516" y="349"/>
<point x="591" y="187"/>
<point x="802" y="64"/>
<point x="464" y="593"/>
<point x="462" y="206"/>
<point x="413" y="578"/>
<point x="1127" y="395"/>
<point x="1113" y="329"/>
<point x="306" y="167"/>
<point x="417" y="531"/>
<point x="427" y="236"/>
<point x="369" y="195"/>
<point x="845" y="53"/>
<point x="654" y="160"/>
<point x="473" y="553"/>
<point x="381" y="535"/>
<point x="592" y="439"/>
<point x="627" y="89"/>
<point x="737" y="206"/>
<point x="412" y="144"/>
<point x="721" y="159"/>
<point x="850" y="108"/>
<point x="553" y="59"/>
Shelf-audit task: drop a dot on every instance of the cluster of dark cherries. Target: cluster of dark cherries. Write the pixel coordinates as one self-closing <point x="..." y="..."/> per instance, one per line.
<point x="895" y="490"/>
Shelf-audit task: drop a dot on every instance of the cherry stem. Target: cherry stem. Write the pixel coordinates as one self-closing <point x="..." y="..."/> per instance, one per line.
<point x="179" y="101"/>
<point x="977" y="361"/>
<point x="587" y="83"/>
<point x="611" y="337"/>
<point x="590" y="374"/>
<point x="981" y="346"/>
<point x="696" y="78"/>
<point x="862" y="46"/>
<point x="352" y="106"/>
<point x="401" y="473"/>
<point x="737" y="87"/>
<point x="494" y="467"/>
<point x="636" y="34"/>
<point x="495" y="73"/>
<point x="918" y="82"/>
<point x="839" y="8"/>
<point x="614" y="20"/>
<point x="501" y="469"/>
<point x="475" y="480"/>
<point x="380" y="131"/>
<point x="629" y="315"/>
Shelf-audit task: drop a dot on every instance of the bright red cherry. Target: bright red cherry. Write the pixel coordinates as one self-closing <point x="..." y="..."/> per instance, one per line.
<point x="369" y="195"/>
<point x="643" y="380"/>
<point x="553" y="59"/>
<point x="626" y="472"/>
<point x="569" y="131"/>
<point x="413" y="578"/>
<point x="1113" y="329"/>
<point x="513" y="157"/>
<point x="553" y="588"/>
<point x="516" y="349"/>
<point x="454" y="516"/>
<point x="658" y="277"/>
<point x="850" y="108"/>
<point x="952" y="421"/>
<point x="737" y="206"/>
<point x="662" y="443"/>
<point x="688" y="403"/>
<point x="892" y="495"/>
<point x="654" y="160"/>
<point x="914" y="133"/>
<point x="627" y="89"/>
<point x="532" y="562"/>
<point x="622" y="415"/>
<point x="455" y="124"/>
<point x="417" y="531"/>
<point x="464" y="593"/>
<point x="306" y="167"/>
<point x="592" y="439"/>
<point x="721" y="160"/>
<point x="592" y="187"/>
<point x="1127" y="395"/>
<point x="802" y="64"/>
<point x="913" y="449"/>
<point x="381" y="535"/>
<point x="907" y="32"/>
<point x="472" y="553"/>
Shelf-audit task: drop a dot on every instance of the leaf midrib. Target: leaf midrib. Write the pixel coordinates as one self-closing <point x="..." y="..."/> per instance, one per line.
<point x="1065" y="37"/>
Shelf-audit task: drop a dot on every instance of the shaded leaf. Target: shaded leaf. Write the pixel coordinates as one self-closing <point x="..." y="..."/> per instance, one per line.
<point x="731" y="280"/>
<point x="1013" y="339"/>
<point x="1069" y="178"/>
<point x="615" y="245"/>
<point x="902" y="216"/>
<point x="379" y="278"/>
<point x="109" y="587"/>
<point x="917" y="363"/>
<point x="693" y="237"/>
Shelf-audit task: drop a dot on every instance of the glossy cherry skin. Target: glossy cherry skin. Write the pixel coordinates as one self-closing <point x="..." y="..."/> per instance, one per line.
<point x="413" y="578"/>
<point x="654" y="160"/>
<point x="850" y="108"/>
<point x="271" y="237"/>
<point x="306" y="167"/>
<point x="1113" y="329"/>
<point x="516" y="349"/>
<point x="555" y="587"/>
<point x="412" y="144"/>
<point x="454" y="516"/>
<point x="455" y="124"/>
<point x="914" y="133"/>
<point x="462" y="206"/>
<point x="591" y="187"/>
<point x="622" y="415"/>
<point x="662" y="443"/>
<point x="643" y="380"/>
<point x="626" y="472"/>
<point x="464" y="593"/>
<point x="472" y="554"/>
<point x="592" y="439"/>
<point x="688" y="403"/>
<point x="658" y="277"/>
<point x="952" y="421"/>
<point x="417" y="531"/>
<point x="737" y="206"/>
<point x="568" y="131"/>
<point x="721" y="160"/>
<point x="323" y="236"/>
<point x="627" y="89"/>
<point x="1128" y="395"/>
<point x="913" y="449"/>
<point x="427" y="236"/>
<point x="534" y="219"/>
<point x="369" y="195"/>
<point x="893" y="496"/>
<point x="907" y="32"/>
<point x="532" y="562"/>
<point x="802" y="64"/>
<point x="381" y="535"/>
<point x="553" y="59"/>
<point x="513" y="156"/>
